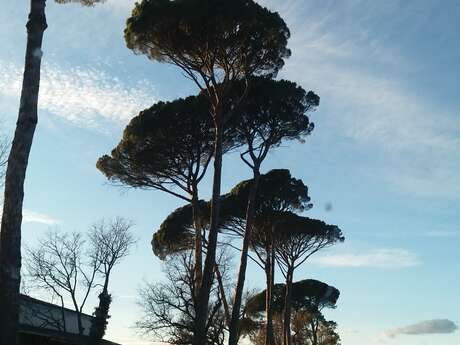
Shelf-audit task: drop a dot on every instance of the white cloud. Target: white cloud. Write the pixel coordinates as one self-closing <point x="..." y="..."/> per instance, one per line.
<point x="86" y="97"/>
<point x="37" y="217"/>
<point x="437" y="326"/>
<point x="379" y="258"/>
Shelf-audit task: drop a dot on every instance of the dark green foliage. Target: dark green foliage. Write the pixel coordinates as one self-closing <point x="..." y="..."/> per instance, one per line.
<point x="167" y="146"/>
<point x="294" y="235"/>
<point x="309" y="294"/>
<point x="295" y="228"/>
<point x="278" y="191"/>
<point x="176" y="233"/>
<point x="272" y="112"/>
<point x="239" y="37"/>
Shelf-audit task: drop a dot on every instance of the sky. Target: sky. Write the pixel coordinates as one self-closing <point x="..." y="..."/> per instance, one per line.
<point x="382" y="163"/>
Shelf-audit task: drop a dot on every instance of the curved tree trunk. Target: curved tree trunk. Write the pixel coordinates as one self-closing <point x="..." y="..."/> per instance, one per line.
<point x="234" y="323"/>
<point x="10" y="235"/>
<point x="199" y="336"/>
<point x="287" y="307"/>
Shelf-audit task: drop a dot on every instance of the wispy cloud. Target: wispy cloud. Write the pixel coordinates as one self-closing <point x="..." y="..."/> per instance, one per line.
<point x="362" y="81"/>
<point x="437" y="326"/>
<point x="87" y="97"/>
<point x="29" y="216"/>
<point x="443" y="233"/>
<point x="379" y="258"/>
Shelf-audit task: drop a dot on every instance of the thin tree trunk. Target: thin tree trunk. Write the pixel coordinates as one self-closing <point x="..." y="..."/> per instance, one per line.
<point x="235" y="320"/>
<point x="79" y="322"/>
<point x="222" y="294"/>
<point x="198" y="244"/>
<point x="269" y="273"/>
<point x="10" y="235"/>
<point x="199" y="336"/>
<point x="287" y="307"/>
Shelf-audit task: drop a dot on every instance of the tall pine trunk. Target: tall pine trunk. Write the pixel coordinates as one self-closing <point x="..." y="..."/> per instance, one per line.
<point x="10" y="235"/>
<point x="198" y="243"/>
<point x="288" y="307"/>
<point x="199" y="336"/>
<point x="234" y="323"/>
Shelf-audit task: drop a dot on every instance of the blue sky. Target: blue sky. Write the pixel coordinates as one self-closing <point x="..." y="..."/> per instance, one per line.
<point x="385" y="152"/>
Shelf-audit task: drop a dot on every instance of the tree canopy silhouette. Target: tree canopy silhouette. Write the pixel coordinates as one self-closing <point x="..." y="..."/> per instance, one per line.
<point x="215" y="43"/>
<point x="212" y="41"/>
<point x="278" y="192"/>
<point x="272" y="112"/>
<point x="167" y="147"/>
<point x="298" y="238"/>
<point x="307" y="294"/>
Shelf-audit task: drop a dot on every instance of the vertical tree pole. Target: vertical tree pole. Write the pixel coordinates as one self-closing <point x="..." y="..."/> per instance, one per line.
<point x="10" y="235"/>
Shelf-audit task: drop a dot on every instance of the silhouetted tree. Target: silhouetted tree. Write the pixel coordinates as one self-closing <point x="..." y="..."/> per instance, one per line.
<point x="215" y="43"/>
<point x="272" y="112"/>
<point x="57" y="265"/>
<point x="298" y="239"/>
<point x="10" y="233"/>
<point x="277" y="192"/>
<point x="308" y="298"/>
<point x="167" y="147"/>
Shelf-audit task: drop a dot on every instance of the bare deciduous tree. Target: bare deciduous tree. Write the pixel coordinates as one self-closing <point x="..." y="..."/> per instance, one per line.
<point x="169" y="308"/>
<point x="110" y="242"/>
<point x="68" y="266"/>
<point x="57" y="265"/>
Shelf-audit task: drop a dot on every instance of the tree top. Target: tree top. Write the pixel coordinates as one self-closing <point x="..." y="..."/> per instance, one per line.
<point x="238" y="37"/>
